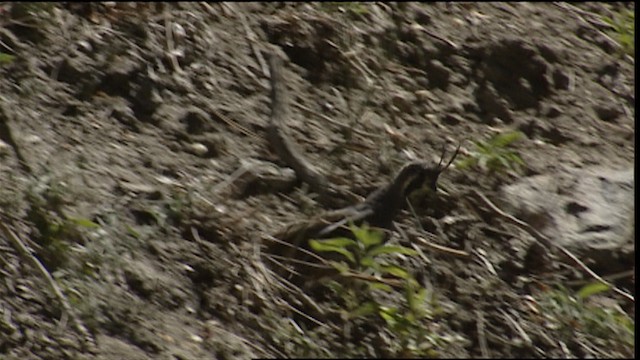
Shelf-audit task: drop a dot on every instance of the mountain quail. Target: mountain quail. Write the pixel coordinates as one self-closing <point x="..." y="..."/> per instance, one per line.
<point x="378" y="210"/>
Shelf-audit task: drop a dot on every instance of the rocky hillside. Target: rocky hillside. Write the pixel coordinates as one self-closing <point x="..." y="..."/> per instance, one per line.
<point x="139" y="189"/>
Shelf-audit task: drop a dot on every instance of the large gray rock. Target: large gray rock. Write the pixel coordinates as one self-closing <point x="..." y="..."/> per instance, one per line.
<point x="590" y="211"/>
<point x="263" y="177"/>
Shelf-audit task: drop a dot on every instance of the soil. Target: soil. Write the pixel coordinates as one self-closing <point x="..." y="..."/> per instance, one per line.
<point x="124" y="127"/>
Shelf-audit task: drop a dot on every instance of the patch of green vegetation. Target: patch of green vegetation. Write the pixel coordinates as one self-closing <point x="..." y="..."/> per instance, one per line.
<point x="606" y="325"/>
<point x="179" y="207"/>
<point x="6" y="58"/>
<point x="363" y="253"/>
<point x="494" y="154"/>
<point x="56" y="231"/>
<point x="623" y="24"/>
<point x="367" y="256"/>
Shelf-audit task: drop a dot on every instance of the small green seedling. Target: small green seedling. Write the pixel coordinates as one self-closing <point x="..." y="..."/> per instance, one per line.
<point x="364" y="255"/>
<point x="623" y="30"/>
<point x="494" y="154"/>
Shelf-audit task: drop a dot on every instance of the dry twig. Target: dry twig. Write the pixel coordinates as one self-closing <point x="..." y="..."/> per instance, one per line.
<point x="519" y="329"/>
<point x="251" y="37"/>
<point x="443" y="249"/>
<point x="482" y="338"/>
<point x="277" y="136"/>
<point x="168" y="32"/>
<point x="233" y="124"/>
<point x="87" y="339"/>
<point x="439" y="37"/>
<point x="593" y="24"/>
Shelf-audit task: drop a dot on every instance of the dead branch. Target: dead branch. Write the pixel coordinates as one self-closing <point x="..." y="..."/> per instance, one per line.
<point x="278" y="137"/>
<point x="592" y="24"/>
<point x="18" y="244"/>
<point x="443" y="249"/>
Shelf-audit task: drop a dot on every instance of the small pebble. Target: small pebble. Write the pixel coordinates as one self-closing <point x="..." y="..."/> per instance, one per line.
<point x="197" y="149"/>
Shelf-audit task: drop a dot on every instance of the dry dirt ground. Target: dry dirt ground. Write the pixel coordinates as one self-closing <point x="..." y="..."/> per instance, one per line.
<point x="125" y="129"/>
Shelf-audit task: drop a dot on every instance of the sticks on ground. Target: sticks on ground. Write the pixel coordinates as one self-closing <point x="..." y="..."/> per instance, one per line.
<point x="547" y="242"/>
<point x="278" y="138"/>
<point x="28" y="256"/>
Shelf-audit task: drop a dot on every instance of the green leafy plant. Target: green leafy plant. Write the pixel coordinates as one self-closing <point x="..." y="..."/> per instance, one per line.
<point x="494" y="154"/>
<point x="6" y="58"/>
<point x="623" y="24"/>
<point x="368" y="255"/>
<point x="363" y="254"/>
<point x="55" y="230"/>
<point x="585" y="313"/>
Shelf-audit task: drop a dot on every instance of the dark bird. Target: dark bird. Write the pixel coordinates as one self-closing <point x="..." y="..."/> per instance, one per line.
<point x="378" y="210"/>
